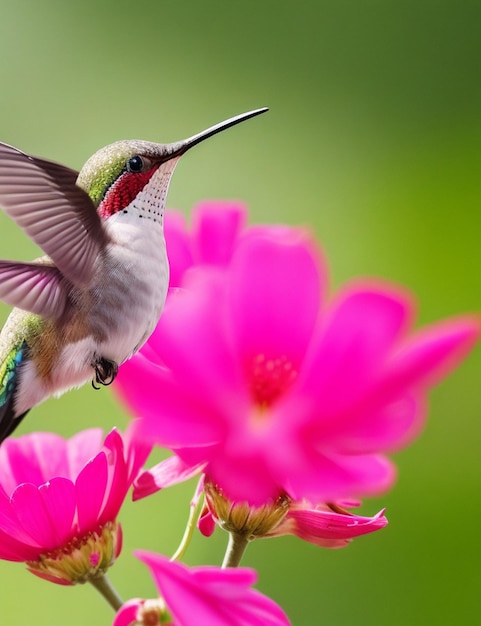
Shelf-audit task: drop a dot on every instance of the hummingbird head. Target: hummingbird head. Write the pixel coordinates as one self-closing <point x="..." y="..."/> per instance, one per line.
<point x="115" y="175"/>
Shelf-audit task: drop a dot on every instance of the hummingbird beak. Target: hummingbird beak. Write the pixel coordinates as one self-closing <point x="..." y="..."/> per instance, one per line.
<point x="169" y="155"/>
<point x="178" y="148"/>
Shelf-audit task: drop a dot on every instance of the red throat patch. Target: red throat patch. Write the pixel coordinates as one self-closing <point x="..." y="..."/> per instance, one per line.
<point x="123" y="191"/>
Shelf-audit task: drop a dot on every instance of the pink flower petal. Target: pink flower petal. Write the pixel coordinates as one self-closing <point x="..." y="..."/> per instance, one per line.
<point x="33" y="517"/>
<point x="165" y="474"/>
<point x="210" y="595"/>
<point x="50" y="578"/>
<point x="387" y="428"/>
<point x="90" y="488"/>
<point x="321" y="478"/>
<point x="329" y="529"/>
<point x="15" y="543"/>
<point x="120" y="540"/>
<point x="9" y="522"/>
<point x="13" y="550"/>
<point x="179" y="248"/>
<point x="206" y="523"/>
<point x="193" y="341"/>
<point x="118" y="482"/>
<point x="47" y="456"/>
<point x="230" y="582"/>
<point x="171" y="417"/>
<point x="265" y="294"/>
<point x="127" y="614"/>
<point x="215" y="229"/>
<point x="261" y="611"/>
<point x="58" y="497"/>
<point x="244" y="478"/>
<point x="137" y="451"/>
<point x="393" y="411"/>
<point x="351" y="349"/>
<point x="81" y="448"/>
<point x="431" y="354"/>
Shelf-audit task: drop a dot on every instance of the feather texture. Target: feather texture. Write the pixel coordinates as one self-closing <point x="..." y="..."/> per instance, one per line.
<point x="33" y="287"/>
<point x="43" y="199"/>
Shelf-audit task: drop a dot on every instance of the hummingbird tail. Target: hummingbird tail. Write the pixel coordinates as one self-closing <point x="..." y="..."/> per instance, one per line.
<point x="8" y="423"/>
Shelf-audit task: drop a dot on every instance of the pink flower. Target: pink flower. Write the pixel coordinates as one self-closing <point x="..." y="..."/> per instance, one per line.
<point x="275" y="388"/>
<point x="59" y="501"/>
<point x="204" y="596"/>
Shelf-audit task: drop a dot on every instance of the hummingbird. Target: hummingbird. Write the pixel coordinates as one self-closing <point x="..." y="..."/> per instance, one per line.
<point x="96" y="296"/>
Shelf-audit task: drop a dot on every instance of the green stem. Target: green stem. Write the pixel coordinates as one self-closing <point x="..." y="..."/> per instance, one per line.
<point x="195" y="511"/>
<point x="235" y="550"/>
<point x="105" y="588"/>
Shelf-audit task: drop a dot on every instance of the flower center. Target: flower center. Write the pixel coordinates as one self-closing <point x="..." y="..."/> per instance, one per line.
<point x="270" y="378"/>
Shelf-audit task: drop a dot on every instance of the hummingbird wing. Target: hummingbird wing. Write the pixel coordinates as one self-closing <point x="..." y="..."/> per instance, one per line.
<point x="43" y="199"/>
<point x="33" y="287"/>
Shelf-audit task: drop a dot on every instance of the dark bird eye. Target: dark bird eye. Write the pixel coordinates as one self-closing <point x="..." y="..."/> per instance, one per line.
<point x="135" y="164"/>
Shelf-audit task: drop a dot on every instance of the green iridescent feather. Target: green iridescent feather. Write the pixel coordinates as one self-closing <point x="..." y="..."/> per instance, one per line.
<point x="8" y="372"/>
<point x="96" y="180"/>
<point x="19" y="331"/>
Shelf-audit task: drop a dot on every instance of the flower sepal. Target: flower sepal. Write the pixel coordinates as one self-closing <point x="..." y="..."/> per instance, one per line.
<point x="243" y="519"/>
<point x="81" y="559"/>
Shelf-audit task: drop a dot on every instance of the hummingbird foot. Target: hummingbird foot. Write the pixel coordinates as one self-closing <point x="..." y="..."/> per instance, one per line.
<point x="105" y="372"/>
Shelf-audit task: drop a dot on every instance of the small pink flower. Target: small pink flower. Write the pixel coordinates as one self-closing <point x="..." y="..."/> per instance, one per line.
<point x="254" y="373"/>
<point x="59" y="501"/>
<point x="204" y="596"/>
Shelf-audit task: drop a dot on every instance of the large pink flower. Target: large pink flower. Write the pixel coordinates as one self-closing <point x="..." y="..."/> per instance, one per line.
<point x="254" y="372"/>
<point x="204" y="596"/>
<point x="59" y="501"/>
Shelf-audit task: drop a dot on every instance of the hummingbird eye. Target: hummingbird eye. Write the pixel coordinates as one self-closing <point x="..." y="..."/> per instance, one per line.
<point x="136" y="164"/>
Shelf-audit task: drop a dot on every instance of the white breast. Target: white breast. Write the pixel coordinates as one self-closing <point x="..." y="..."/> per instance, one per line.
<point x="137" y="273"/>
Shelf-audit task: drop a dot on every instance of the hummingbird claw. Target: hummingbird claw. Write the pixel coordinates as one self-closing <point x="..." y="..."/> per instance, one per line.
<point x="105" y="372"/>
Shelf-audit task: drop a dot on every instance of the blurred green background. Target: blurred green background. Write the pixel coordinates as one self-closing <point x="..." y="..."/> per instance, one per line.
<point x="373" y="139"/>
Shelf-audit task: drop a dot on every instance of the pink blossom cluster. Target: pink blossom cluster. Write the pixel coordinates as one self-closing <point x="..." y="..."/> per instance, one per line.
<point x="283" y="397"/>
